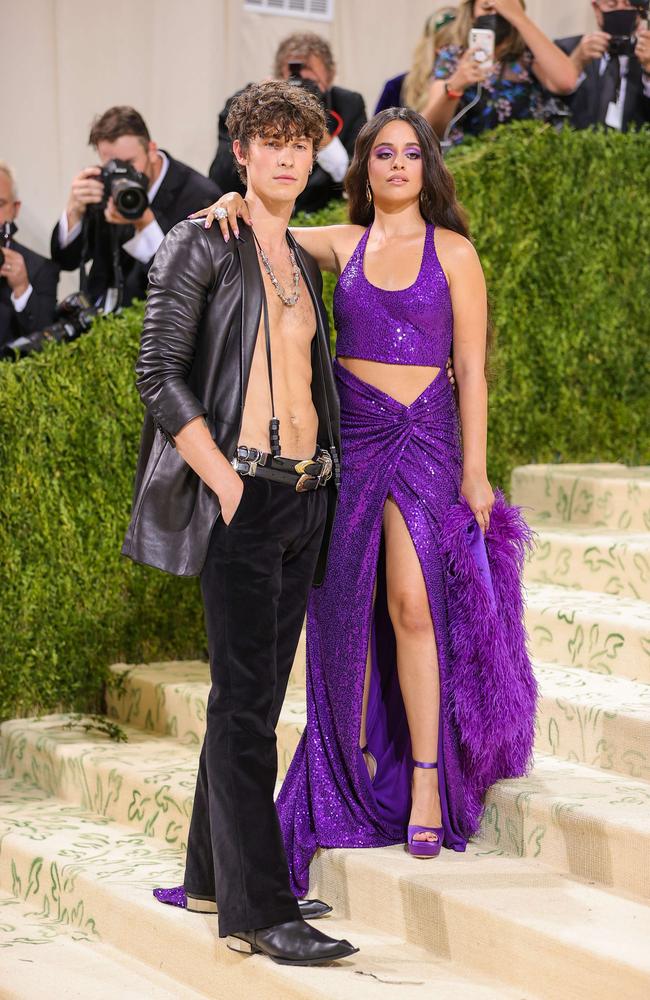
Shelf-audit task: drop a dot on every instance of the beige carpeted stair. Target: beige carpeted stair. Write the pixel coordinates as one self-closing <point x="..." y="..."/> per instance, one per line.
<point x="552" y="901"/>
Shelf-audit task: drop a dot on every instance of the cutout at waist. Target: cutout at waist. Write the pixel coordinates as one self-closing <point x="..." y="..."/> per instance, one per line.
<point x="403" y="383"/>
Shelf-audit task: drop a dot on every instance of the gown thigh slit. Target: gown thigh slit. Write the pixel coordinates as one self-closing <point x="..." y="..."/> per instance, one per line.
<point x="411" y="453"/>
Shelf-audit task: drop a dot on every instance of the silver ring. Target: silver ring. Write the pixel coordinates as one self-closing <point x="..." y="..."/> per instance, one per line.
<point x="220" y="213"/>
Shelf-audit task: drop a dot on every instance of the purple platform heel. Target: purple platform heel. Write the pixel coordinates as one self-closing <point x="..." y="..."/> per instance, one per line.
<point x="178" y="897"/>
<point x="425" y="848"/>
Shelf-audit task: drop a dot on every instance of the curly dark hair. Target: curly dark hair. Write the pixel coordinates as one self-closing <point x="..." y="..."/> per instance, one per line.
<point x="274" y="108"/>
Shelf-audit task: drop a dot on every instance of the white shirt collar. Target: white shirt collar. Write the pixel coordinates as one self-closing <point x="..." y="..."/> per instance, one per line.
<point x="155" y="187"/>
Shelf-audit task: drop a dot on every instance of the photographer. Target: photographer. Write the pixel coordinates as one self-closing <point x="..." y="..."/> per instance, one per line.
<point x="512" y="87"/>
<point x="27" y="281"/>
<point x="307" y="60"/>
<point x="614" y="65"/>
<point x="162" y="191"/>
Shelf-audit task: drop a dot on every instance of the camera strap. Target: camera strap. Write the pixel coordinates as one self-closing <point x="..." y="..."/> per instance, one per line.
<point x="118" y="277"/>
<point x="83" y="274"/>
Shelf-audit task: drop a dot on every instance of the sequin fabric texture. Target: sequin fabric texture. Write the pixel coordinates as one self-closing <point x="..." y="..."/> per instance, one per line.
<point x="173" y="897"/>
<point x="413" y="326"/>
<point x="412" y="453"/>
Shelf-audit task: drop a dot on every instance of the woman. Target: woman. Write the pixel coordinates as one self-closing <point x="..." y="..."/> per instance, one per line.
<point x="526" y="64"/>
<point x="411" y="711"/>
<point x="411" y="90"/>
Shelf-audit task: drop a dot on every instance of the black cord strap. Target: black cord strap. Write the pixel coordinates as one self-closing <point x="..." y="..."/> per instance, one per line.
<point x="274" y="423"/>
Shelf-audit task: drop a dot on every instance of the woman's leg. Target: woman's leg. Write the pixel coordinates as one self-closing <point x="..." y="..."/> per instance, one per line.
<point x="417" y="663"/>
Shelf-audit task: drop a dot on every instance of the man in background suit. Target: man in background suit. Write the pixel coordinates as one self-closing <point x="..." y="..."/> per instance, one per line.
<point x="613" y="90"/>
<point x="28" y="281"/>
<point x="174" y="190"/>
<point x="345" y="111"/>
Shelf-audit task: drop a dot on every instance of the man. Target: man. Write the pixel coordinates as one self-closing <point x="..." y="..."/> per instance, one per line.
<point x="235" y="359"/>
<point x="311" y="58"/>
<point x="173" y="189"/>
<point x="613" y="89"/>
<point x="28" y="281"/>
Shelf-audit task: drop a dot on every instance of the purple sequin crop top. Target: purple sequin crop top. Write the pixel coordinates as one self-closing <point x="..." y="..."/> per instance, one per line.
<point x="412" y="326"/>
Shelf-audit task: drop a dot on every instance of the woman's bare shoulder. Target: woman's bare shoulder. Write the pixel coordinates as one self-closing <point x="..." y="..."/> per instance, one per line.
<point x="455" y="244"/>
<point x="458" y="258"/>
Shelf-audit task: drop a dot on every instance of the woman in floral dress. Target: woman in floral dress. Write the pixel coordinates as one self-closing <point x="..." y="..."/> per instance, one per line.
<point x="528" y="69"/>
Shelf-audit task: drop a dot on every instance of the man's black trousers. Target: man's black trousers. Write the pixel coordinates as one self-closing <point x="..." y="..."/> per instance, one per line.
<point x="255" y="585"/>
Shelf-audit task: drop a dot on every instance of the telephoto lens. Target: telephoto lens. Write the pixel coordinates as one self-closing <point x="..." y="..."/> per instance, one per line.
<point x="75" y="316"/>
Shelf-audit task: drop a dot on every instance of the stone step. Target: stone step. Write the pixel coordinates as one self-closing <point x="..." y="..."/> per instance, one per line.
<point x="594" y="719"/>
<point x="499" y="915"/>
<point x="577" y="820"/>
<point x="574" y="818"/>
<point x="146" y="783"/>
<point x="606" y="562"/>
<point x="605" y="496"/>
<point x="167" y="698"/>
<point x="170" y="698"/>
<point x="73" y="866"/>
<point x="39" y="951"/>
<point x="597" y="632"/>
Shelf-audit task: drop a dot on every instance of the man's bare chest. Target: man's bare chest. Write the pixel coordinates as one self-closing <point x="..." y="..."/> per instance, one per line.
<point x="291" y="327"/>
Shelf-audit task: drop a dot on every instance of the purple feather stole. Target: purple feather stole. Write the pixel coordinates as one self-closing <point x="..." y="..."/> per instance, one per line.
<point x="491" y="693"/>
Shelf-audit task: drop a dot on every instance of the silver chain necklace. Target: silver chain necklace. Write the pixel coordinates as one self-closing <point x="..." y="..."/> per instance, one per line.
<point x="288" y="300"/>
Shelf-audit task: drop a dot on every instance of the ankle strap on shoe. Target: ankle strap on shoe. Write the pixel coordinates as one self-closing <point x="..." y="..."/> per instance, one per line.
<point x="421" y="763"/>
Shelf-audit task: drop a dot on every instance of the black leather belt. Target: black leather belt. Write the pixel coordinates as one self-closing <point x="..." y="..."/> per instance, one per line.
<point x="301" y="475"/>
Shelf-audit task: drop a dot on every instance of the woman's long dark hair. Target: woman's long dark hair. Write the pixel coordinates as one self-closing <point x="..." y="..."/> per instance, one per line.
<point x="438" y="202"/>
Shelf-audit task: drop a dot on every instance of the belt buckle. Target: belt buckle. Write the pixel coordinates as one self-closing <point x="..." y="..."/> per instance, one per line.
<point x="326" y="474"/>
<point x="246" y="460"/>
<point x="303" y="484"/>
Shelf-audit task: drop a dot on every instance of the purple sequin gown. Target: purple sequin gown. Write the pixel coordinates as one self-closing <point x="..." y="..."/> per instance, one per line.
<point x="413" y="454"/>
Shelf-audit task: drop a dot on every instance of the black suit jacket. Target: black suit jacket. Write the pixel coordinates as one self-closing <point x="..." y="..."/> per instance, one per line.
<point x="321" y="188"/>
<point x="200" y="330"/>
<point x="39" y="311"/>
<point x="584" y="104"/>
<point x="183" y="190"/>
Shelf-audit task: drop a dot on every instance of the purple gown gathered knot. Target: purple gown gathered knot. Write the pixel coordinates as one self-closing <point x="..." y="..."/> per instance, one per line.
<point x="411" y="453"/>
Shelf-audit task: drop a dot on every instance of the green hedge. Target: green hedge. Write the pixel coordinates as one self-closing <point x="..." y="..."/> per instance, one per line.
<point x="562" y="224"/>
<point x="70" y="424"/>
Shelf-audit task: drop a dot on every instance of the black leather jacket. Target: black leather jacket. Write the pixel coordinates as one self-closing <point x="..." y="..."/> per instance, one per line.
<point x="200" y="329"/>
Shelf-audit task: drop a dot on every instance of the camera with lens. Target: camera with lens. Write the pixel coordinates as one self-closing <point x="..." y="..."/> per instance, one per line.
<point x="334" y="123"/>
<point x="296" y="79"/>
<point x="73" y="317"/>
<point x="126" y="186"/>
<point x="621" y="25"/>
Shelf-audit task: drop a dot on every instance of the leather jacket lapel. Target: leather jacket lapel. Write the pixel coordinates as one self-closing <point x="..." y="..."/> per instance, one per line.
<point x="251" y="305"/>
